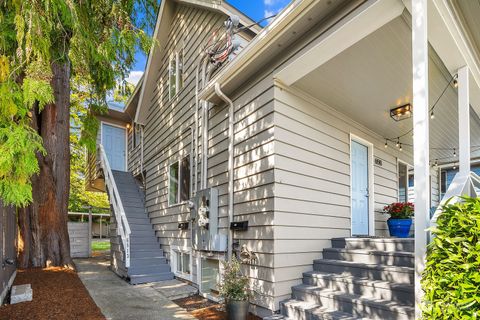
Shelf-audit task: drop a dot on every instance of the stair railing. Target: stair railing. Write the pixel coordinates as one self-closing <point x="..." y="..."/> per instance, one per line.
<point x="461" y="185"/>
<point x="123" y="228"/>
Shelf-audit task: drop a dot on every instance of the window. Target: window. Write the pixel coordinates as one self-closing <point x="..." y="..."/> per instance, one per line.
<point x="179" y="181"/>
<point x="181" y="262"/>
<point x="402" y="182"/>
<point x="175" y="73"/>
<point x="411" y="181"/>
<point x="137" y="135"/>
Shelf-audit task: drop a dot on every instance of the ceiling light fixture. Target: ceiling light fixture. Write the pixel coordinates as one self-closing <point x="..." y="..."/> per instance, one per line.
<point x="402" y="112"/>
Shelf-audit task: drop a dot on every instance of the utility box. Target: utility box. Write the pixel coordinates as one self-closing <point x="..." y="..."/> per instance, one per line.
<point x="204" y="213"/>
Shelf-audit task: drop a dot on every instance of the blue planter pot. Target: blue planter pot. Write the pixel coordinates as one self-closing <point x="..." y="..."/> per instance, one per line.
<point x="399" y="228"/>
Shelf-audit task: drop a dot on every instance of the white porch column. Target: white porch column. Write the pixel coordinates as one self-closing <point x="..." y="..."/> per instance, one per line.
<point x="464" y="121"/>
<point x="420" y="141"/>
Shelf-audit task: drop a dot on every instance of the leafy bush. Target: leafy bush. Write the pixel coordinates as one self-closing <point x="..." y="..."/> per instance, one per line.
<point x="451" y="279"/>
<point x="234" y="285"/>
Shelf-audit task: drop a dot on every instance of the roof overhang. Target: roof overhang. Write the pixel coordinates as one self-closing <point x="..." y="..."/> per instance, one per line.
<point x="164" y="20"/>
<point x="297" y="18"/>
<point x="357" y="25"/>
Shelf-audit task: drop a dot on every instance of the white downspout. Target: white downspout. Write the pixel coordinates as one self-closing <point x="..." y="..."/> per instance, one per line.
<point x="231" y="141"/>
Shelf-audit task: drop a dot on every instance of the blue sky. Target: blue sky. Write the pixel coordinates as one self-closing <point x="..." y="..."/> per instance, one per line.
<point x="255" y="9"/>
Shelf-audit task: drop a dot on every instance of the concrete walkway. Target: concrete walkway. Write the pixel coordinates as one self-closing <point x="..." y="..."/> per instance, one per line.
<point x="119" y="300"/>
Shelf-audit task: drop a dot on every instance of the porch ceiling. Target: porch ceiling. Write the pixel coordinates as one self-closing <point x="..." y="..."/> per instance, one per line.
<point x="374" y="75"/>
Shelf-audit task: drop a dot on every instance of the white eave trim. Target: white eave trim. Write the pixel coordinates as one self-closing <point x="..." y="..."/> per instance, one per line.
<point x="441" y="12"/>
<point x="149" y="62"/>
<point x="356" y="26"/>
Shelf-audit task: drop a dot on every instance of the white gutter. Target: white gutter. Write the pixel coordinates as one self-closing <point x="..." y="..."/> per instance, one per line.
<point x="231" y="141"/>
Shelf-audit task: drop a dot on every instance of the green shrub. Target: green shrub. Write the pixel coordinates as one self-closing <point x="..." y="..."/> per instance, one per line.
<point x="234" y="285"/>
<point x="451" y="279"/>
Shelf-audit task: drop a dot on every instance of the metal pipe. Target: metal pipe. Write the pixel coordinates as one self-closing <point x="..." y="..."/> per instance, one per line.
<point x="231" y="141"/>
<point x="195" y="183"/>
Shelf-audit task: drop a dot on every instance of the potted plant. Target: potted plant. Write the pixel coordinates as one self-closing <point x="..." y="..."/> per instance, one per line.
<point x="400" y="220"/>
<point x="235" y="290"/>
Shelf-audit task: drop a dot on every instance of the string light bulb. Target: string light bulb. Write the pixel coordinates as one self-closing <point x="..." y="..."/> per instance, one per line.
<point x="436" y="163"/>
<point x="400" y="147"/>
<point x="455" y="83"/>
<point x="386" y="143"/>
<point x="398" y="142"/>
<point x="454" y="152"/>
<point x="432" y="115"/>
<point x="454" y="166"/>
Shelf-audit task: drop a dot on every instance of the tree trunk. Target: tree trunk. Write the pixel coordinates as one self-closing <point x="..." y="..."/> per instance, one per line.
<point x="43" y="225"/>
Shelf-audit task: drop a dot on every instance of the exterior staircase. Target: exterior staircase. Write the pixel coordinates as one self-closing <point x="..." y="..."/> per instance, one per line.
<point x="147" y="260"/>
<point x="358" y="278"/>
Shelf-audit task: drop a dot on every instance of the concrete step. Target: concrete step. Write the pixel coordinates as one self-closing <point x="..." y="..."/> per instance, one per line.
<point x="353" y="304"/>
<point x="152" y="277"/>
<point x="302" y="310"/>
<point x="363" y="270"/>
<point x="390" y="258"/>
<point x="149" y="268"/>
<point x="383" y="290"/>
<point x="375" y="244"/>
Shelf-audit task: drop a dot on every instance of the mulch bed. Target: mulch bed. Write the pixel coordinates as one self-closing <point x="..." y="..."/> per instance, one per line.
<point x="204" y="309"/>
<point x="58" y="293"/>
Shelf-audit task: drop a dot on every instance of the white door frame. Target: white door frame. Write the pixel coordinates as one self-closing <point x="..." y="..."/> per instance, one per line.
<point x="102" y="122"/>
<point x="409" y="166"/>
<point x="371" y="191"/>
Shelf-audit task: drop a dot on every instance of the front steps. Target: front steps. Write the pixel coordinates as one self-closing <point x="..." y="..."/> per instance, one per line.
<point x="147" y="260"/>
<point x="359" y="278"/>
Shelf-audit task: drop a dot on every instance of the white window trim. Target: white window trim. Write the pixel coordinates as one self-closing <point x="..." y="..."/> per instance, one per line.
<point x="175" y="57"/>
<point x="398" y="171"/>
<point x="179" y="191"/>
<point x="173" y="262"/>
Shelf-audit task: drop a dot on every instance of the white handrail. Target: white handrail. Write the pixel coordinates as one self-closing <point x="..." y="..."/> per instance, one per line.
<point x="123" y="228"/>
<point x="461" y="185"/>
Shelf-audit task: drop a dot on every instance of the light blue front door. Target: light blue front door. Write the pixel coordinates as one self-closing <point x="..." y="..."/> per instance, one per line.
<point x="114" y="143"/>
<point x="360" y="206"/>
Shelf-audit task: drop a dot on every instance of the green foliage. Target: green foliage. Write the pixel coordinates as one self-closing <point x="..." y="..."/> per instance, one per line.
<point x="100" y="245"/>
<point x="451" y="280"/>
<point x="98" y="39"/>
<point x="18" y="145"/>
<point x="234" y="285"/>
<point x="79" y="197"/>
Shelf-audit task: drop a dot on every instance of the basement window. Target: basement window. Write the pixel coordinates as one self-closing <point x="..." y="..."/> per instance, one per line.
<point x="179" y="181"/>
<point x="181" y="260"/>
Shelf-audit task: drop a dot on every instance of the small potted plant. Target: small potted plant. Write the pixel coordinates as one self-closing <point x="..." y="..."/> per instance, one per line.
<point x="235" y="290"/>
<point x="400" y="220"/>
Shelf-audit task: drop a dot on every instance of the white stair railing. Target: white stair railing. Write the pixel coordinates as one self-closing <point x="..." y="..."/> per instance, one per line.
<point x="461" y="185"/>
<point x="123" y="228"/>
